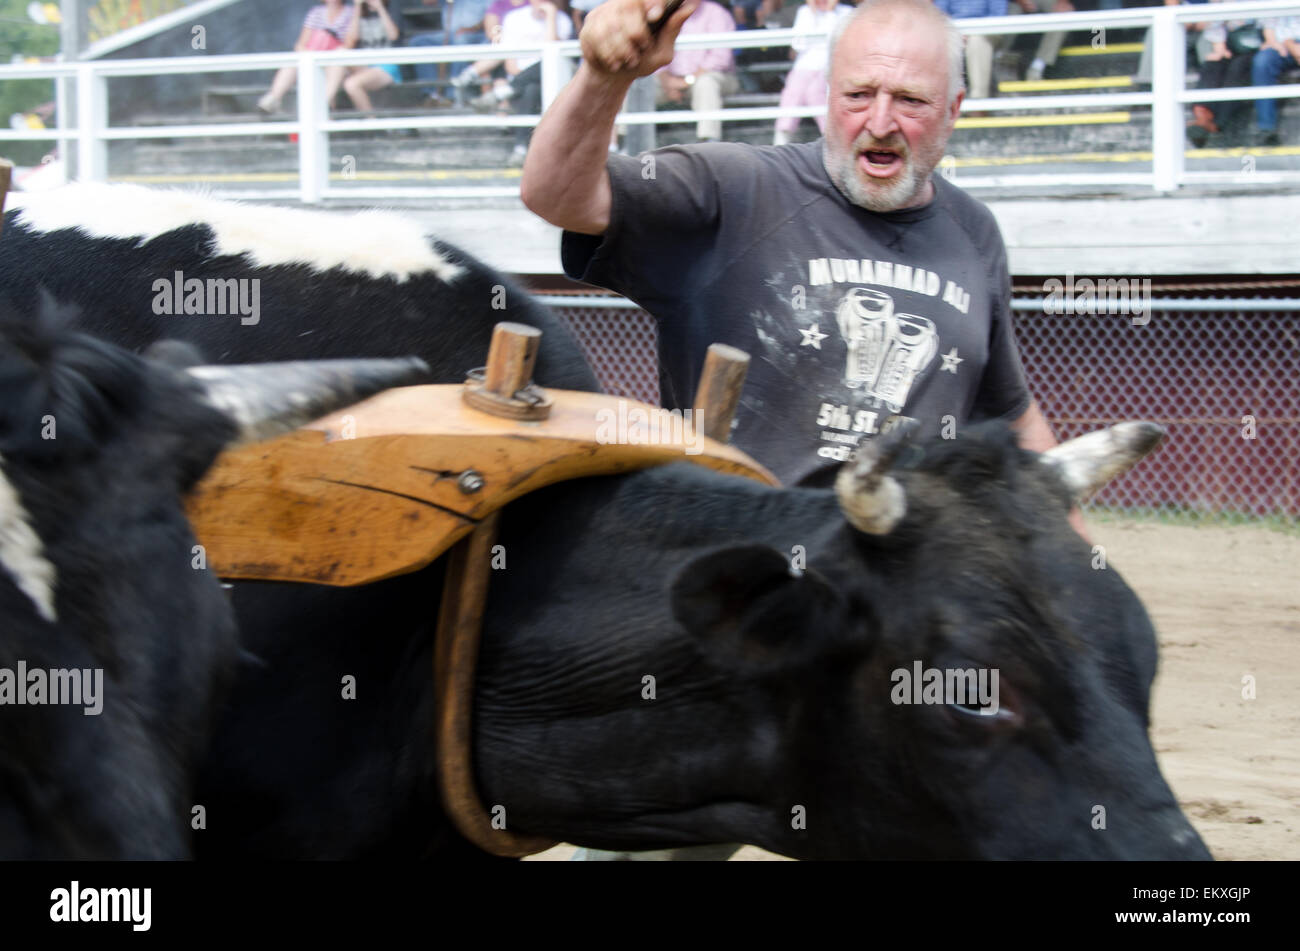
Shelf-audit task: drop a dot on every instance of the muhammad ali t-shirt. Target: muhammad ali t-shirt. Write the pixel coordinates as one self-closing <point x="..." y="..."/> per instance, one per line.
<point x="853" y="320"/>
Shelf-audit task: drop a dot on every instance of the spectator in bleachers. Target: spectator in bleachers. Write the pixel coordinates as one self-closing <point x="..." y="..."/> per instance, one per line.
<point x="475" y="74"/>
<point x="1143" y="75"/>
<point x="1050" y="45"/>
<point x="537" y="21"/>
<point x="707" y="75"/>
<point x="374" y="29"/>
<point x="1281" y="50"/>
<point x="1224" y="49"/>
<point x="805" y="84"/>
<point x="463" y="25"/>
<point x="748" y="14"/>
<point x="979" y="49"/>
<point x="580" y="10"/>
<point x="325" y="27"/>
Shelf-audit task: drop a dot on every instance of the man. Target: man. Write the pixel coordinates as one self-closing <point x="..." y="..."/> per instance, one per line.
<point x="702" y="76"/>
<point x="866" y="290"/>
<point x="1281" y="50"/>
<point x="979" y="48"/>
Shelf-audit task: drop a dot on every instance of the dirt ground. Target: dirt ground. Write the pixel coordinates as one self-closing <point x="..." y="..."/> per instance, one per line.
<point x="1226" y="604"/>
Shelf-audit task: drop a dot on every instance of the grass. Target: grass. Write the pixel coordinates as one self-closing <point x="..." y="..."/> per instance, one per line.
<point x="1192" y="518"/>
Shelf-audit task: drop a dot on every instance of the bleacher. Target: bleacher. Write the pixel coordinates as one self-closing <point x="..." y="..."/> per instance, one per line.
<point x="1002" y="138"/>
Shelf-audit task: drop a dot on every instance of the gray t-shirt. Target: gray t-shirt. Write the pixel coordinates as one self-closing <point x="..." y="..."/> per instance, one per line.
<point x="854" y="320"/>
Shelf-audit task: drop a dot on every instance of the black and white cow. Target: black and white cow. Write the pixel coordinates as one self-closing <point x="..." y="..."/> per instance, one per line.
<point x="775" y="715"/>
<point x="115" y="641"/>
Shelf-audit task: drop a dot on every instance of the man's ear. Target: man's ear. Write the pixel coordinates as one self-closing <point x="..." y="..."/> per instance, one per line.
<point x="955" y="109"/>
<point x="745" y="605"/>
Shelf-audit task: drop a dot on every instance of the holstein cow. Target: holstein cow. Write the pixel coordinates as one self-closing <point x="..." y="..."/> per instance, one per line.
<point x="672" y="657"/>
<point x="115" y="640"/>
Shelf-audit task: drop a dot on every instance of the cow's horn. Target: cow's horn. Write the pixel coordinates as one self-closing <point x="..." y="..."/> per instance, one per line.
<point x="267" y="399"/>
<point x="1088" y="462"/>
<point x="871" y="499"/>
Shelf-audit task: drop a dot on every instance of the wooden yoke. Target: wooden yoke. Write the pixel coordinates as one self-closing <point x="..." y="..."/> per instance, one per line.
<point x="387" y="486"/>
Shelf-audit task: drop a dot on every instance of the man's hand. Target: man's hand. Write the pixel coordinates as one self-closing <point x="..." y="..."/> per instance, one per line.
<point x="617" y="41"/>
<point x="674" y="86"/>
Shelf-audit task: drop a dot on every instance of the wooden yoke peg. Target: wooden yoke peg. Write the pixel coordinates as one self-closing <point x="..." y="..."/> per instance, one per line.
<point x="505" y="386"/>
<point x="719" y="390"/>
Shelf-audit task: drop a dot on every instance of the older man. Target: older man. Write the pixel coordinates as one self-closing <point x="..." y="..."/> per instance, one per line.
<point x="867" y="289"/>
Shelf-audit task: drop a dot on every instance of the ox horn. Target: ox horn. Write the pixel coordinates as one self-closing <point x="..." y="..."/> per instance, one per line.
<point x="872" y="500"/>
<point x="1086" y="463"/>
<point x="267" y="399"/>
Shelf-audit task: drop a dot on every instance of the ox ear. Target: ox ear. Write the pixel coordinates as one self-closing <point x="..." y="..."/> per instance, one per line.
<point x="746" y="604"/>
<point x="1086" y="463"/>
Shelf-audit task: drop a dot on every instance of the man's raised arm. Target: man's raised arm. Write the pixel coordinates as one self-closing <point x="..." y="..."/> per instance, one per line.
<point x="564" y="178"/>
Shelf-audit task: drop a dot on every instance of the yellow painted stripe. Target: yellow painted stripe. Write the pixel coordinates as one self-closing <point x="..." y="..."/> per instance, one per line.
<point x="1055" y="85"/>
<point x="1017" y="122"/>
<point x="434" y="175"/>
<point x="1107" y="48"/>
<point x="277" y="177"/>
<point x="1062" y="158"/>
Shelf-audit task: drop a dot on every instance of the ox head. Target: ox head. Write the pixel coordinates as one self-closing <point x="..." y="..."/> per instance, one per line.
<point x="101" y="579"/>
<point x="946" y="670"/>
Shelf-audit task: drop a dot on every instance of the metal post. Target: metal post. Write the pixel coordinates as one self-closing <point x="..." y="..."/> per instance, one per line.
<point x="313" y="141"/>
<point x="552" y="74"/>
<point x="1168" y="74"/>
<point x="640" y="98"/>
<point x="69" y="51"/>
<point x="92" y="119"/>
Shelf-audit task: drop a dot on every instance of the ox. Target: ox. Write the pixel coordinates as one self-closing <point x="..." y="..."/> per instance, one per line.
<point x="116" y="641"/>
<point x="658" y="669"/>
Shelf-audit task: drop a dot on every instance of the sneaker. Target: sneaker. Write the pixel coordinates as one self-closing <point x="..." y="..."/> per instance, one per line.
<point x="485" y="103"/>
<point x="516" y="159"/>
<point x="466" y="78"/>
<point x="1269" y="137"/>
<point x="1035" y="71"/>
<point x="267" y="105"/>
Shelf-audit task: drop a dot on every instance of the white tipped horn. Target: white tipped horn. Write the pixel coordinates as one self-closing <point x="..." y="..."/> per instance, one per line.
<point x="871" y="499"/>
<point x="1086" y="463"/>
<point x="268" y="399"/>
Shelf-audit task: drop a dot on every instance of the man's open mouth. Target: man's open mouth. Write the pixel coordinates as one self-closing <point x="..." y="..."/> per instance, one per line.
<point x="881" y="163"/>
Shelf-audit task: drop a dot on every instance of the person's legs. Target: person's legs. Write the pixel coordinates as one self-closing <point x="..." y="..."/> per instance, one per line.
<point x="1049" y="47"/>
<point x="360" y="84"/>
<point x="1237" y="74"/>
<point x="1264" y="71"/>
<point x="803" y="87"/>
<point x="527" y="100"/>
<point x="979" y="66"/>
<point x="426" y="72"/>
<point x="284" y="79"/>
<point x="334" y="76"/>
<point x="706" y="95"/>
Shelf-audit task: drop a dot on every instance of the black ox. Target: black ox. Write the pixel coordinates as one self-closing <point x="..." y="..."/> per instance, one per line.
<point x="772" y="720"/>
<point x="115" y="641"/>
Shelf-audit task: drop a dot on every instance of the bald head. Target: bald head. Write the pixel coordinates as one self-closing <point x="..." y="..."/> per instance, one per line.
<point x="909" y="12"/>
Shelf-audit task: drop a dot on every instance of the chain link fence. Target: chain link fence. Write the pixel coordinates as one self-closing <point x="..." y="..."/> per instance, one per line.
<point x="1225" y="384"/>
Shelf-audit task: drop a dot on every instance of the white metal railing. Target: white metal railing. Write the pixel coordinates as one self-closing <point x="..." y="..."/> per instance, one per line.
<point x="91" y="132"/>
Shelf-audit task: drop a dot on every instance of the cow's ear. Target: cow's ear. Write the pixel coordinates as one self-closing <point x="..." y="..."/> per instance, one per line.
<point x="747" y="604"/>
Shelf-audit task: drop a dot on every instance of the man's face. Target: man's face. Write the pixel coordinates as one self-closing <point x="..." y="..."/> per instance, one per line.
<point x="887" y="116"/>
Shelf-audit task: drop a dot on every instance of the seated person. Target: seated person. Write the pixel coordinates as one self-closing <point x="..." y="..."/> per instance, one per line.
<point x="463" y="26"/>
<point x="979" y="49"/>
<point x="1049" y="47"/>
<point x="537" y="21"/>
<point x="375" y="28"/>
<point x="1281" y="50"/>
<point x="707" y="75"/>
<point x="805" y="84"/>
<point x="325" y="27"/>
<point x="475" y="74"/>
<point x="1221" y="67"/>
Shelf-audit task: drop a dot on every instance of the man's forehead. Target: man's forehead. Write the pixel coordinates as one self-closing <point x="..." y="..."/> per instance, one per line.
<point x="903" y="49"/>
